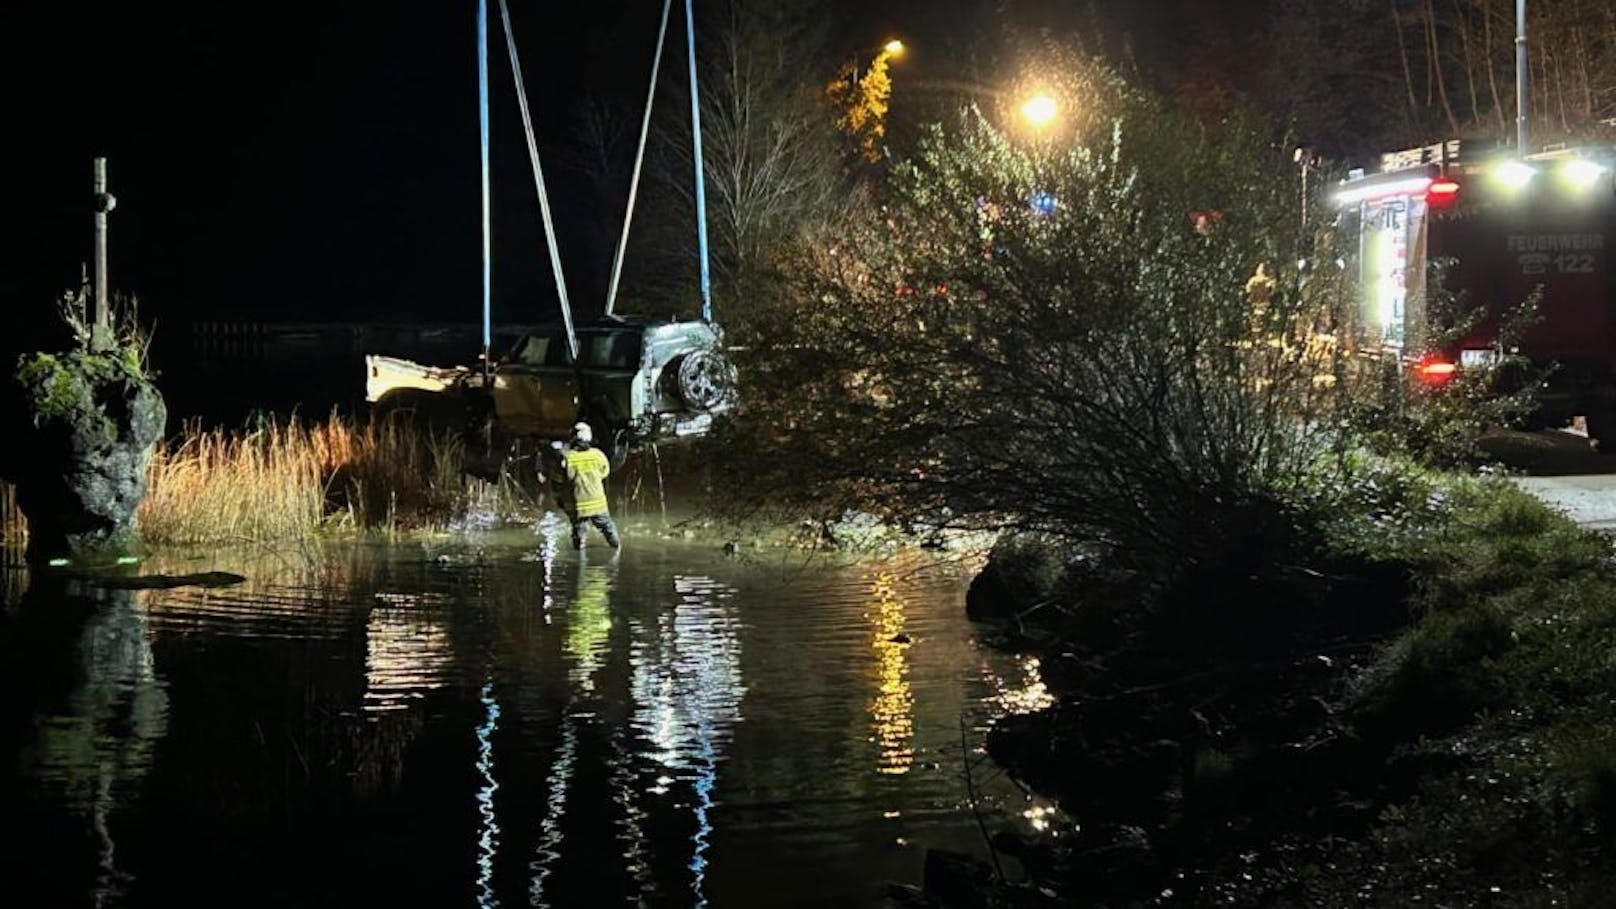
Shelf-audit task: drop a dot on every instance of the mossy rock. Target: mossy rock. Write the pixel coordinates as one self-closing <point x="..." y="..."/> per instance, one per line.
<point x="81" y="427"/>
<point x="85" y="394"/>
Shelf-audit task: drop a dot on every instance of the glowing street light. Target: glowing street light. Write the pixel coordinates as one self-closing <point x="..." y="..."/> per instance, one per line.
<point x="890" y="51"/>
<point x="1039" y="110"/>
<point x="864" y="98"/>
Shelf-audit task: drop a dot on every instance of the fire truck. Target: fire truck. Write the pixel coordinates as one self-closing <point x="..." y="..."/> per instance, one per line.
<point x="1511" y="226"/>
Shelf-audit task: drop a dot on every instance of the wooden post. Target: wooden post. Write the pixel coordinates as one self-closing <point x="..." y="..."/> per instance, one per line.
<point x="101" y="321"/>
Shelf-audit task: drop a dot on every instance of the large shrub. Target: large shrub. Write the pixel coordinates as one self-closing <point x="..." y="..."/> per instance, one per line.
<point x="1101" y="335"/>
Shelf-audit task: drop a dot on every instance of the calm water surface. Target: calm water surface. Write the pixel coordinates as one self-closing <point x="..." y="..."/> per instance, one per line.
<point x="493" y="720"/>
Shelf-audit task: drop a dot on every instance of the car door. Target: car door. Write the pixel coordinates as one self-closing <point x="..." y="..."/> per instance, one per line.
<point x="610" y="363"/>
<point x="536" y="389"/>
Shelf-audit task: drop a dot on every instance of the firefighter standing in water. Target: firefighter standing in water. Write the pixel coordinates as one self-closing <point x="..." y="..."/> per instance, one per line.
<point x="586" y="469"/>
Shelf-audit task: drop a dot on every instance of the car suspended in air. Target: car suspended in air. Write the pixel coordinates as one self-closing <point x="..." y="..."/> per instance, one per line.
<point x="635" y="379"/>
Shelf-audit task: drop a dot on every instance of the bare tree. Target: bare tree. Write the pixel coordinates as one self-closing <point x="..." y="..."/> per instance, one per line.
<point x="771" y="158"/>
<point x="1406" y="71"/>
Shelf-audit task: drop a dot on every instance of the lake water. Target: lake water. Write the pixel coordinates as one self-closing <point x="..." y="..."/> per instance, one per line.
<point x="493" y="719"/>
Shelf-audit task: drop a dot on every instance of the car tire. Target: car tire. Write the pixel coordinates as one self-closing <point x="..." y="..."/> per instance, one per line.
<point x="703" y="379"/>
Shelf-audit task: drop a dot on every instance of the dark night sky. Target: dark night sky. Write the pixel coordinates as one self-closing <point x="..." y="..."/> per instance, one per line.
<point x="290" y="161"/>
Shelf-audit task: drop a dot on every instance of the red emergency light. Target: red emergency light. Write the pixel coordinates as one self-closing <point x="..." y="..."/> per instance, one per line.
<point x="1441" y="193"/>
<point x="1436" y="371"/>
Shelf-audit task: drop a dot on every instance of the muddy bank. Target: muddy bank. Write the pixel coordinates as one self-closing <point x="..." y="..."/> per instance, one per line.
<point x="1191" y="723"/>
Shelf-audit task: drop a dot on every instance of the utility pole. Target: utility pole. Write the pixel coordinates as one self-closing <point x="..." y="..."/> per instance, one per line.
<point x="1521" y="70"/>
<point x="101" y="321"/>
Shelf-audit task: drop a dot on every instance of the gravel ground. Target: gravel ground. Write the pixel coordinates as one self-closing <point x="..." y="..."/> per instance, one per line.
<point x="1562" y="469"/>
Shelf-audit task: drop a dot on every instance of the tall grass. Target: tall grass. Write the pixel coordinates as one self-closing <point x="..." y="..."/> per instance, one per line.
<point x="395" y="476"/>
<point x="290" y="479"/>
<point x="219" y="486"/>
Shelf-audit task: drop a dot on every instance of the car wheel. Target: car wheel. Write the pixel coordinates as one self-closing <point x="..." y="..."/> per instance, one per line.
<point x="704" y="379"/>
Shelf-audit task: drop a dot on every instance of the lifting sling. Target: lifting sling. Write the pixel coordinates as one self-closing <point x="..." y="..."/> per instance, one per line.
<point x="538" y="172"/>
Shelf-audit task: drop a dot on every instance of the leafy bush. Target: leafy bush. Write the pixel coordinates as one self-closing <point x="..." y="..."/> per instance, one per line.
<point x="1032" y="336"/>
<point x="1023" y="571"/>
<point x="1440" y="425"/>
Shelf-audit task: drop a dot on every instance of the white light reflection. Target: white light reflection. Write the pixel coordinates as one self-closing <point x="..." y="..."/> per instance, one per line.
<point x="589" y="625"/>
<point x="488" y="840"/>
<point x="550" y="529"/>
<point x="406" y="654"/>
<point x="555" y="803"/>
<point x="1043" y="817"/>
<point x="687" y="695"/>
<point x="630" y="826"/>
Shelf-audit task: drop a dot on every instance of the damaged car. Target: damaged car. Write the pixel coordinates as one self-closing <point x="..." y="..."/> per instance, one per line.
<point x="637" y="380"/>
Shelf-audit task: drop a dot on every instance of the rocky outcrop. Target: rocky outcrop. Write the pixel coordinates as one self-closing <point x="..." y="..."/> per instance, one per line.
<point x="80" y="428"/>
<point x="1022" y="571"/>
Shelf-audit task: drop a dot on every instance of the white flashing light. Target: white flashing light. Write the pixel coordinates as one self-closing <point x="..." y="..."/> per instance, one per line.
<point x="1515" y="174"/>
<point x="1409" y="186"/>
<point x="1582" y="173"/>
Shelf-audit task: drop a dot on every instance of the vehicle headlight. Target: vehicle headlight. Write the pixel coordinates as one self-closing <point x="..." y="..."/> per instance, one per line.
<point x="1582" y="173"/>
<point x="1515" y="174"/>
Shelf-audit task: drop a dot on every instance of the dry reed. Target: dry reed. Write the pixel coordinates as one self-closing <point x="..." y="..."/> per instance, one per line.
<point x="213" y="486"/>
<point x="393" y="476"/>
<point x="288" y="480"/>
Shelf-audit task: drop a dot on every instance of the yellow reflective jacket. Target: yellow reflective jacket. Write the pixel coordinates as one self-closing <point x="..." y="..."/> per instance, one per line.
<point x="587" y="470"/>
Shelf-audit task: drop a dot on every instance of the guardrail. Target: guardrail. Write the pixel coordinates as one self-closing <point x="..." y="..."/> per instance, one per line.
<point x="290" y="340"/>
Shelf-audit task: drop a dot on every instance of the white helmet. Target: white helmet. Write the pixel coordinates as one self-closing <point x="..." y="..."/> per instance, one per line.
<point x="582" y="432"/>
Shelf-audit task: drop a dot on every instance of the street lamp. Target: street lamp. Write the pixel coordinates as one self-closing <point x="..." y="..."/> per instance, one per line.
<point x="891" y="50"/>
<point x="1040" y="109"/>
<point x="1307" y="159"/>
<point x="864" y="98"/>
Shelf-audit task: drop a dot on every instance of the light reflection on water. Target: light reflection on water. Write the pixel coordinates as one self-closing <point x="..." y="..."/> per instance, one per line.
<point x="488" y="834"/>
<point x="407" y="651"/>
<point x="892" y="711"/>
<point x="687" y="695"/>
<point x="92" y="743"/>
<point x="497" y="719"/>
